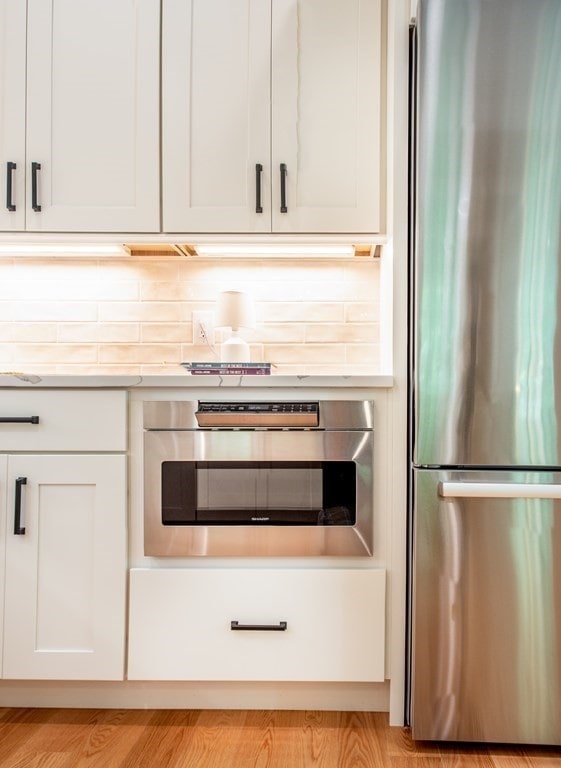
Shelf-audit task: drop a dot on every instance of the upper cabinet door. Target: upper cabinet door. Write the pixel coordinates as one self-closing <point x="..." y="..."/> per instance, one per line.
<point x="12" y="114"/>
<point x="326" y="115"/>
<point x="216" y="115"/>
<point x="93" y="115"/>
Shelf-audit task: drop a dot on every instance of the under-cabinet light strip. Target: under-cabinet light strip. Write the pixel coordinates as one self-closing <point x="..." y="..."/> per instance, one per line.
<point x="61" y="250"/>
<point x="244" y="250"/>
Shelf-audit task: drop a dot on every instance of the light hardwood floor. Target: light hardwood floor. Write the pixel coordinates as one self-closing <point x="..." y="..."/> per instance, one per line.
<point x="80" y="738"/>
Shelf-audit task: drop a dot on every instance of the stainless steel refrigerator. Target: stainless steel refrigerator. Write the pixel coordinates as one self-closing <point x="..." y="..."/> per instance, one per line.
<point x="485" y="533"/>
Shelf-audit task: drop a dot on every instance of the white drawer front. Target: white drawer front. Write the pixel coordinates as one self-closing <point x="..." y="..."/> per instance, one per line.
<point x="69" y="420"/>
<point x="180" y="624"/>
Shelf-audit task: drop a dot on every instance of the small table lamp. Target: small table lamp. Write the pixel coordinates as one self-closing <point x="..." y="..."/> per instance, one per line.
<point x="235" y="310"/>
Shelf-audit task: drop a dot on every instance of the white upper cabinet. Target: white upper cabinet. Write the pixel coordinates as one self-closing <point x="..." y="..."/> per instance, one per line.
<point x="12" y="114"/>
<point x="326" y="115"/>
<point x="215" y="115"/>
<point x="271" y="116"/>
<point x="91" y="116"/>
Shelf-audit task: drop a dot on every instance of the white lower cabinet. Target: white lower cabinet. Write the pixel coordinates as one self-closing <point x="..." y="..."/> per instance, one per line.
<point x="64" y="615"/>
<point x="63" y="546"/>
<point x="297" y="624"/>
<point x="3" y="486"/>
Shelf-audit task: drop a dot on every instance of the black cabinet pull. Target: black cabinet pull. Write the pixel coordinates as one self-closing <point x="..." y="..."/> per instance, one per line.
<point x="19" y="530"/>
<point x="35" y="168"/>
<point x="283" y="172"/>
<point x="258" y="172"/>
<point x="9" y="178"/>
<point x="19" y="419"/>
<point x="280" y="627"/>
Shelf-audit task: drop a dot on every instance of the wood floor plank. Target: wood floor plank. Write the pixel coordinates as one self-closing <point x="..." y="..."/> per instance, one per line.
<point x="276" y="738"/>
<point x="111" y="739"/>
<point x="211" y="736"/>
<point x="165" y="739"/>
<point x="400" y="744"/>
<point x="16" y="727"/>
<point x="60" y="738"/>
<point x="360" y="744"/>
<point x="55" y="726"/>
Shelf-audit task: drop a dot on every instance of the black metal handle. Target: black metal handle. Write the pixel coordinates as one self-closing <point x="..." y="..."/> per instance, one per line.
<point x="35" y="168"/>
<point x="19" y="419"/>
<point x="280" y="627"/>
<point x="11" y="167"/>
<point x="283" y="172"/>
<point x="19" y="530"/>
<point x="258" y="172"/>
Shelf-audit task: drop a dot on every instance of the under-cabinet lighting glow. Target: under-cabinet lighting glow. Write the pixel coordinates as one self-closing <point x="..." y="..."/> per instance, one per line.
<point x="61" y="250"/>
<point x="279" y="250"/>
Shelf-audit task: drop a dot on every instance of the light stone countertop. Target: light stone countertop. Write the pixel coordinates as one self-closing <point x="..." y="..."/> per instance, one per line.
<point x="30" y="380"/>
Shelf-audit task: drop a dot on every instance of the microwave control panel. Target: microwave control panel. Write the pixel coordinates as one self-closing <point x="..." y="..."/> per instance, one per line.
<point x="258" y="414"/>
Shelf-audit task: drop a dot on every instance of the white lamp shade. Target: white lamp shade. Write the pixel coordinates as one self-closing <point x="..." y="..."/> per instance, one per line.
<point x="235" y="310"/>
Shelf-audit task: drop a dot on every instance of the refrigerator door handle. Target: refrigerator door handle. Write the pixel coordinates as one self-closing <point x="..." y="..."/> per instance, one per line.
<point x="449" y="490"/>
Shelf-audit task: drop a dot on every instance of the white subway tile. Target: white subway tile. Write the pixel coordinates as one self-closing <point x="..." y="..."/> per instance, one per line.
<point x="303" y="312"/>
<point x="55" y="353"/>
<point x="7" y="353"/>
<point x="342" y="333"/>
<point x="167" y="332"/>
<point x="160" y="354"/>
<point x="34" y="332"/>
<point x="49" y="311"/>
<point x="147" y="312"/>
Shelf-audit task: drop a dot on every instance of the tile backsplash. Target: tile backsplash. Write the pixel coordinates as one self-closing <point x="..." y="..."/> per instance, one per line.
<point x="134" y="315"/>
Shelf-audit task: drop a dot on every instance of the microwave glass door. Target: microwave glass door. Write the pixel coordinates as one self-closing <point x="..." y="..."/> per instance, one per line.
<point x="258" y="492"/>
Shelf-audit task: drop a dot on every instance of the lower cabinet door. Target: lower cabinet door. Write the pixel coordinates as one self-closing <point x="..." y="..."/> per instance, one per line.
<point x="257" y="624"/>
<point x="65" y="567"/>
<point x="3" y="476"/>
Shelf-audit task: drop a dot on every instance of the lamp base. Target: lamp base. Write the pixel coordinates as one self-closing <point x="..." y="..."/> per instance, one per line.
<point x="235" y="350"/>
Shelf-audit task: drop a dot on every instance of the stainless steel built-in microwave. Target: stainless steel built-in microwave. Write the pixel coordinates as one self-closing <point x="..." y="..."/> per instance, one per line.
<point x="241" y="478"/>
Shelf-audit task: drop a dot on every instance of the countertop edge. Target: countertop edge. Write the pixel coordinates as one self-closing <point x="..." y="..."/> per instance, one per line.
<point x="187" y="381"/>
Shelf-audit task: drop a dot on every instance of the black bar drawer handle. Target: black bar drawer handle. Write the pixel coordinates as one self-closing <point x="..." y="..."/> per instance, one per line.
<point x="258" y="172"/>
<point x="9" y="180"/>
<point x="283" y="173"/>
<point x="35" y="168"/>
<point x="19" y="419"/>
<point x="280" y="627"/>
<point x="19" y="529"/>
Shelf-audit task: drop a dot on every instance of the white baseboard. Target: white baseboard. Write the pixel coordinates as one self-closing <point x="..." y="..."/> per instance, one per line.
<point x="366" y="697"/>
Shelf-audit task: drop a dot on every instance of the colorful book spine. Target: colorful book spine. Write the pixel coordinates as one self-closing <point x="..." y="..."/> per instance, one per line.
<point x="224" y="369"/>
<point x="230" y="372"/>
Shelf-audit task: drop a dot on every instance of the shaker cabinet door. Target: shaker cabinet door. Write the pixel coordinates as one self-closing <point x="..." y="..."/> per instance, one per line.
<point x="216" y="115"/>
<point x="65" y="567"/>
<point x="92" y="157"/>
<point x="326" y="115"/>
<point x="3" y="496"/>
<point x="12" y="114"/>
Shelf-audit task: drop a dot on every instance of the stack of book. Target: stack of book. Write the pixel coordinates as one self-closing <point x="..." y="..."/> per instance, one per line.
<point x="228" y="369"/>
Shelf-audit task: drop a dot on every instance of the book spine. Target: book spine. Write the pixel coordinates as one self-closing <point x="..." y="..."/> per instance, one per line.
<point x="222" y="366"/>
<point x="230" y="372"/>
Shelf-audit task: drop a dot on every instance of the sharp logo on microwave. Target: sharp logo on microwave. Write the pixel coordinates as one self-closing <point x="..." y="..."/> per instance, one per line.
<point x="259" y="519"/>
